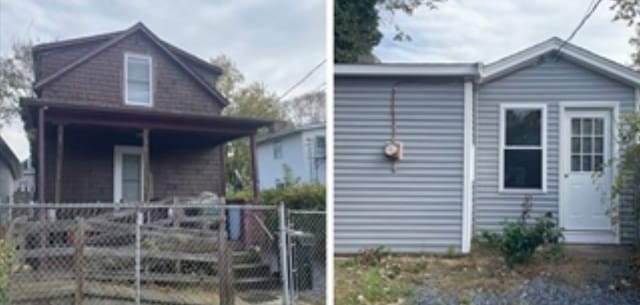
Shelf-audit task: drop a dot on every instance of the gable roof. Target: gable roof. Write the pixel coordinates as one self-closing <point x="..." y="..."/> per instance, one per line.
<point x="571" y="52"/>
<point x="111" y="39"/>
<point x="499" y="68"/>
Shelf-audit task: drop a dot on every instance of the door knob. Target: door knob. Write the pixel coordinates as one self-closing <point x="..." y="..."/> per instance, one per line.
<point x="566" y="175"/>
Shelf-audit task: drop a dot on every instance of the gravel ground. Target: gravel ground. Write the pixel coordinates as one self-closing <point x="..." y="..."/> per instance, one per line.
<point x="544" y="291"/>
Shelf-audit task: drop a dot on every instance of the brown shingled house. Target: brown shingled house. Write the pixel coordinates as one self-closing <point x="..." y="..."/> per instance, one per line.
<point x="128" y="117"/>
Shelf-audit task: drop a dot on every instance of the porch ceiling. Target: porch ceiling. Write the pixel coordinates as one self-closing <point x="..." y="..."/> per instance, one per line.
<point x="218" y="128"/>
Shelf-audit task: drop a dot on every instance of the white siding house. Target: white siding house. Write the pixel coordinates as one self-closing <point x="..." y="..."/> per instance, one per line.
<point x="301" y="149"/>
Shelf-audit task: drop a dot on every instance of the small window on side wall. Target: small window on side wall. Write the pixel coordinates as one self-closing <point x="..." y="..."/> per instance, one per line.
<point x="522" y="147"/>
<point x="138" y="75"/>
<point x="277" y="150"/>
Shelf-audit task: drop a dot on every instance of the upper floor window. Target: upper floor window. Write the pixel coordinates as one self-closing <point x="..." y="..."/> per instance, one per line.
<point x="522" y="147"/>
<point x="277" y="150"/>
<point x="137" y="73"/>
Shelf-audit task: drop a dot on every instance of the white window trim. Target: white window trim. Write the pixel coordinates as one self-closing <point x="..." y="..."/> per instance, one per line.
<point x="503" y="108"/>
<point x="126" y="83"/>
<point x="118" y="151"/>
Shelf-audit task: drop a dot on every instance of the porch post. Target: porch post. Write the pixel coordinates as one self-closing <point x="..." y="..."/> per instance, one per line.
<point x="147" y="192"/>
<point x="41" y="148"/>
<point x="254" y="169"/>
<point x="59" y="163"/>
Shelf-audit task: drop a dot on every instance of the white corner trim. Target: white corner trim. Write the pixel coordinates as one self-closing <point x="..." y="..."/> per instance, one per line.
<point x="467" y="197"/>
<point x="501" y="147"/>
<point x="125" y="93"/>
<point x="118" y="151"/>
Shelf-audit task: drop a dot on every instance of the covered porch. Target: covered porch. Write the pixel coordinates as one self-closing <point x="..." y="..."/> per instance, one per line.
<point x="90" y="154"/>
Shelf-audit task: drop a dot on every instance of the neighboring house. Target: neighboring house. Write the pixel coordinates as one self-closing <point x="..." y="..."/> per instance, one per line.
<point x="476" y="140"/>
<point x="126" y="117"/>
<point x="10" y="172"/>
<point x="25" y="187"/>
<point x="301" y="149"/>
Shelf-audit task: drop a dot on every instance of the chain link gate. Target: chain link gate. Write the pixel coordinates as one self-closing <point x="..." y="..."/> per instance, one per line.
<point x="186" y="253"/>
<point x="307" y="256"/>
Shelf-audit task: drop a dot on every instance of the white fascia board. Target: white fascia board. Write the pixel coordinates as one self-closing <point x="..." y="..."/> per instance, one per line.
<point x="462" y="69"/>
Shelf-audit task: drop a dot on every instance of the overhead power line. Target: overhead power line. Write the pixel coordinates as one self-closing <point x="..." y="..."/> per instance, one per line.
<point x="303" y="79"/>
<point x="593" y="6"/>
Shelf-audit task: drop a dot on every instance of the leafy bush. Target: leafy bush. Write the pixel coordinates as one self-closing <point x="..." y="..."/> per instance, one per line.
<point x="372" y="257"/>
<point x="6" y="256"/>
<point x="519" y="240"/>
<point x="307" y="196"/>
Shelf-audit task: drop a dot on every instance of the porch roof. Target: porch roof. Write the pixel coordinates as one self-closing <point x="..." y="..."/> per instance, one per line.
<point x="223" y="128"/>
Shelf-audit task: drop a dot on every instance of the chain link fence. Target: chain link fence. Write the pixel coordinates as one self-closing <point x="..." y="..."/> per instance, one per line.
<point x="307" y="248"/>
<point x="160" y="254"/>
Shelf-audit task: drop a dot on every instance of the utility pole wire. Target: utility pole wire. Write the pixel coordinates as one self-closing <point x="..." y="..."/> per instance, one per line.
<point x="303" y="79"/>
<point x="582" y="22"/>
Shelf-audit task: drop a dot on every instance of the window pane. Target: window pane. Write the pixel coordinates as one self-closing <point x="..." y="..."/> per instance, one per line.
<point x="599" y="145"/>
<point x="131" y="190"/>
<point x="523" y="127"/>
<point x="130" y="167"/>
<point x="138" y="69"/>
<point x="138" y="92"/>
<point x="575" y="127"/>
<point x="586" y="163"/>
<point x="586" y="145"/>
<point x="320" y="147"/>
<point x="575" y="163"/>
<point x="598" y="162"/>
<point x="523" y="169"/>
<point x="587" y="126"/>
<point x="138" y="80"/>
<point x="599" y="126"/>
<point x="575" y="145"/>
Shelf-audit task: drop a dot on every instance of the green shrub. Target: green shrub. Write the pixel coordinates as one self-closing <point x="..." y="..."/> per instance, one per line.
<point x="518" y="240"/>
<point x="6" y="257"/>
<point x="307" y="196"/>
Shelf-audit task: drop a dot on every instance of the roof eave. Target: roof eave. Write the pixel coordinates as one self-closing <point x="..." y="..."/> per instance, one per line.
<point x="453" y="70"/>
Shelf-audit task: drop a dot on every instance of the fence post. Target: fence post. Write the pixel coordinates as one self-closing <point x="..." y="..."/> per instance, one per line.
<point x="225" y="271"/>
<point x="138" y="259"/>
<point x="79" y="240"/>
<point x="283" y="254"/>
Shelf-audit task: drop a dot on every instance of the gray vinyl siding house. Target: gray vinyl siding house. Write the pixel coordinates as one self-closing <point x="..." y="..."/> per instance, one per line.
<point x="456" y="176"/>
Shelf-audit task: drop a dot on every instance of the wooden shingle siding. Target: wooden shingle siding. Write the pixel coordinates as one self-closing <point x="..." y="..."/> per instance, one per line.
<point x="550" y="82"/>
<point x="99" y="81"/>
<point x="418" y="208"/>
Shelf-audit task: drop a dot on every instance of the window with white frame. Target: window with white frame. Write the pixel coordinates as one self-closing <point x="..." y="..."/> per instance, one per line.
<point x="522" y="147"/>
<point x="138" y="72"/>
<point x="277" y="150"/>
<point x="320" y="147"/>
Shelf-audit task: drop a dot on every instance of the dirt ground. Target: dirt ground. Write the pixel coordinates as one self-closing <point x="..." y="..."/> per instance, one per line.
<point x="394" y="279"/>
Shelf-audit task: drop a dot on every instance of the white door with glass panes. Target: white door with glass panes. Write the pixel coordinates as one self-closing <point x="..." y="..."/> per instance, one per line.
<point x="128" y="177"/>
<point x="587" y="145"/>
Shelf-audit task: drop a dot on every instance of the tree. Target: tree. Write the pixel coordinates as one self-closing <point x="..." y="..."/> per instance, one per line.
<point x="245" y="100"/>
<point x="356" y="30"/>
<point x="628" y="11"/>
<point x="307" y="108"/>
<point x="16" y="77"/>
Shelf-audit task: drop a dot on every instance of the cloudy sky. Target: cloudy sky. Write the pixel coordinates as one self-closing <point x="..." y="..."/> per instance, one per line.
<point x="471" y="31"/>
<point x="275" y="42"/>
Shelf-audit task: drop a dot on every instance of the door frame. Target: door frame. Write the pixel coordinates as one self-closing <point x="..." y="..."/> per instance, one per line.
<point x="563" y="146"/>
<point x="118" y="151"/>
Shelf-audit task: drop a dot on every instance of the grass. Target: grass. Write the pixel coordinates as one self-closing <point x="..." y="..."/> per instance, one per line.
<point x="392" y="279"/>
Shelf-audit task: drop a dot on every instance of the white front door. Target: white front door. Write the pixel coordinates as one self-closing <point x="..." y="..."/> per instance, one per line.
<point x="128" y="174"/>
<point x="586" y="148"/>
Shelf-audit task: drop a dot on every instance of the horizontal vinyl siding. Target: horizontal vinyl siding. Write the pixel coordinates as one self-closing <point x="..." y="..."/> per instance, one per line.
<point x="418" y="208"/>
<point x="551" y="82"/>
